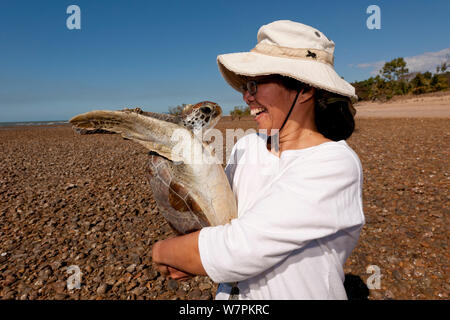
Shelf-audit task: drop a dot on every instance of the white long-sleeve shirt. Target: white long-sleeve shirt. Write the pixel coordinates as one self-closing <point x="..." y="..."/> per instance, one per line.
<point x="299" y="218"/>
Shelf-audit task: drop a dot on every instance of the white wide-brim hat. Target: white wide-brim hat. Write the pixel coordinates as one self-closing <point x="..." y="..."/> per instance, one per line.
<point x="289" y="49"/>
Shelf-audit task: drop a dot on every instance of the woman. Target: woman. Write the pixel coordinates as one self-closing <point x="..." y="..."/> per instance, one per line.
<point x="300" y="203"/>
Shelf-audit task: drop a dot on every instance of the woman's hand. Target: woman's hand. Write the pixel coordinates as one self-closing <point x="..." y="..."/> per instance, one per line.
<point x="173" y="273"/>
<point x="178" y="257"/>
<point x="164" y="269"/>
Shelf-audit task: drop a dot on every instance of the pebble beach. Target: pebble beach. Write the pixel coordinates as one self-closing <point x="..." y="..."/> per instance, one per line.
<point x="85" y="201"/>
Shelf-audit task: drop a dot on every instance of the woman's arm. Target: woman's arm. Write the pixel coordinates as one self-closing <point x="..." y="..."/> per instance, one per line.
<point x="311" y="199"/>
<point x="178" y="254"/>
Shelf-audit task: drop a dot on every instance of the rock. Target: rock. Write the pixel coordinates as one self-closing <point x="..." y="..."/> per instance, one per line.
<point x="74" y="296"/>
<point x="111" y="282"/>
<point x="39" y="283"/>
<point x="55" y="265"/>
<point x="44" y="274"/>
<point x="185" y="286"/>
<point x="102" y="289"/>
<point x="427" y="282"/>
<point x="10" y="279"/>
<point x="376" y="295"/>
<point x="59" y="286"/>
<point x="180" y="293"/>
<point x="397" y="275"/>
<point x="70" y="186"/>
<point x="152" y="274"/>
<point x="138" y="291"/>
<point x="131" y="268"/>
<point x="419" y="272"/>
<point x="33" y="295"/>
<point x="206" y="296"/>
<point x="393" y="260"/>
<point x="204" y="286"/>
<point x="5" y="290"/>
<point x="389" y="295"/>
<point x="131" y="285"/>
<point x="172" y="284"/>
<point x="61" y="296"/>
<point x="195" y="294"/>
<point x="9" y="295"/>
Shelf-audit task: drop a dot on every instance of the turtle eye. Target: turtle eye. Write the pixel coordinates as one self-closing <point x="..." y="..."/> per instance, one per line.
<point x="205" y="110"/>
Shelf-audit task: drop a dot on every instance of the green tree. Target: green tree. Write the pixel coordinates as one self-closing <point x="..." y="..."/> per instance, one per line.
<point x="428" y="75"/>
<point x="403" y="87"/>
<point x="421" y="83"/>
<point x="394" y="73"/>
<point x="394" y="70"/>
<point x="378" y="89"/>
<point x="438" y="82"/>
<point x="442" y="68"/>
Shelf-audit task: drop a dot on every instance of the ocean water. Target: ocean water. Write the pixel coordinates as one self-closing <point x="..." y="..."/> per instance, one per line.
<point x="33" y="123"/>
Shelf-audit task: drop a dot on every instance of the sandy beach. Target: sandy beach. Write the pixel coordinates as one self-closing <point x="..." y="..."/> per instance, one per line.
<point x="431" y="105"/>
<point x="85" y="201"/>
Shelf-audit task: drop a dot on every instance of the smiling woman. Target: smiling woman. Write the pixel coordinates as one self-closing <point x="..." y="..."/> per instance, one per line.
<point x="333" y="113"/>
<point x="299" y="206"/>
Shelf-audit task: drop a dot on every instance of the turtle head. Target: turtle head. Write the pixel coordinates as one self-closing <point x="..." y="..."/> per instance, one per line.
<point x="203" y="115"/>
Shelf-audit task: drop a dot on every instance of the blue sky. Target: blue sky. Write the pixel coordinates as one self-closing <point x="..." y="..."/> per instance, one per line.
<point x="157" y="54"/>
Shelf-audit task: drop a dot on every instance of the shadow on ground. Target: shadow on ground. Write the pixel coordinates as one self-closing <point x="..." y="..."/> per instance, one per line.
<point x="355" y="287"/>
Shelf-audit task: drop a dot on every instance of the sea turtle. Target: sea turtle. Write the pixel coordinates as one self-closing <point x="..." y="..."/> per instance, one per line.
<point x="190" y="189"/>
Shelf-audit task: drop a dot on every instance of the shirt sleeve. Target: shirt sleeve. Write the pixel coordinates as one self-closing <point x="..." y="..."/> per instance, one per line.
<point x="307" y="202"/>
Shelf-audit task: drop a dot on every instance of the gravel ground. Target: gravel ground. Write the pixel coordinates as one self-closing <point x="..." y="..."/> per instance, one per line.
<point x="69" y="200"/>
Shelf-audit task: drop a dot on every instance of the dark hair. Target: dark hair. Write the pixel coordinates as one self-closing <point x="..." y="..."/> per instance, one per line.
<point x="333" y="113"/>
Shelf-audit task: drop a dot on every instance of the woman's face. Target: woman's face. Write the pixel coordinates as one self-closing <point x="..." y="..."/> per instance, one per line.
<point x="270" y="104"/>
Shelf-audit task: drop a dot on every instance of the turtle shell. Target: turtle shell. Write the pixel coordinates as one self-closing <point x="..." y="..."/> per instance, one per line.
<point x="174" y="201"/>
<point x="173" y="198"/>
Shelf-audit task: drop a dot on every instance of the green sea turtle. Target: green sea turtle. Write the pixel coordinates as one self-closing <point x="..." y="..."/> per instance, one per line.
<point x="190" y="189"/>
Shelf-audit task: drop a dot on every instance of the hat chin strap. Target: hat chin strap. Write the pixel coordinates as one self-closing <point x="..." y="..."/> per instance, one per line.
<point x="290" y="110"/>
<point x="269" y="139"/>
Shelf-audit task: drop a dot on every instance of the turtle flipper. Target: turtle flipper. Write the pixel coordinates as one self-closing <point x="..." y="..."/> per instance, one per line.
<point x="154" y="134"/>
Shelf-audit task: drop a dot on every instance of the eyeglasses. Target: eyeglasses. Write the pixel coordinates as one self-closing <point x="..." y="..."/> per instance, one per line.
<point x="252" y="85"/>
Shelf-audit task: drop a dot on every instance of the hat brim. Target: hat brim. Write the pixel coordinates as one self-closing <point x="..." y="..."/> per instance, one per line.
<point x="235" y="66"/>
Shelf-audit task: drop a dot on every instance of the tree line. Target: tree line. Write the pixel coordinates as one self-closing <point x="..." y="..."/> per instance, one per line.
<point x="394" y="79"/>
<point x="239" y="111"/>
<point x="236" y="113"/>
